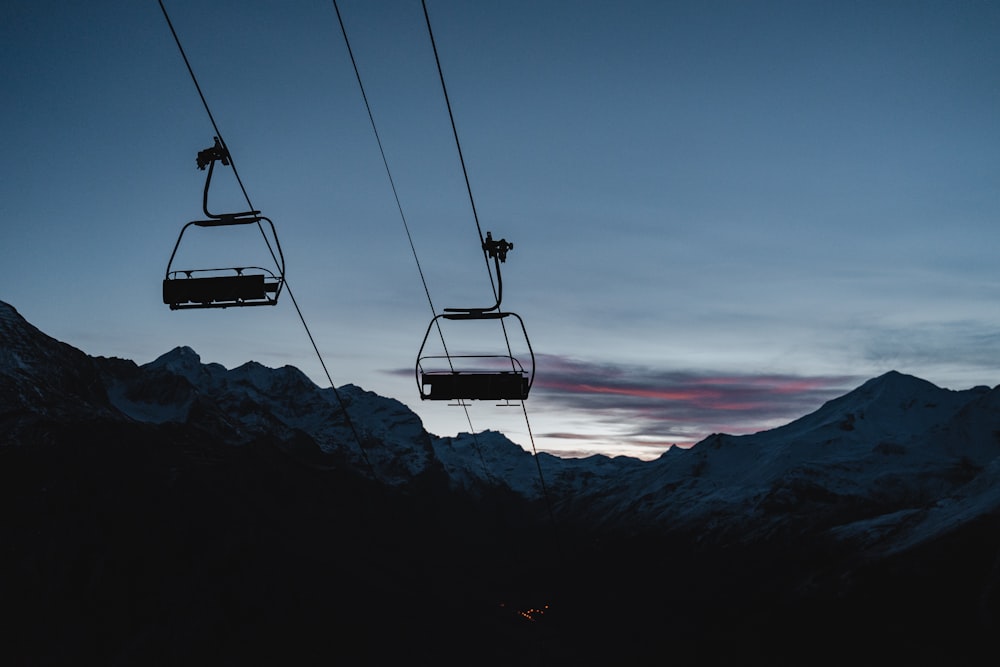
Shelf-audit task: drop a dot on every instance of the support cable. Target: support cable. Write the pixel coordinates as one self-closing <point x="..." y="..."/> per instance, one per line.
<point x="288" y="288"/>
<point x="465" y="173"/>
<point x="458" y="145"/>
<point x="406" y="227"/>
<point x="385" y="162"/>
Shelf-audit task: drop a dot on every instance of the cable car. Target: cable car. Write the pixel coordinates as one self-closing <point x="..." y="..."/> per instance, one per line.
<point x="224" y="287"/>
<point x="495" y="377"/>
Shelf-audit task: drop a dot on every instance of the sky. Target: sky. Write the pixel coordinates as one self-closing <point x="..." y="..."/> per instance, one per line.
<point x="723" y="213"/>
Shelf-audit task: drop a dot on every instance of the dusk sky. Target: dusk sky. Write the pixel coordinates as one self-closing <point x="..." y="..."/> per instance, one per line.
<point x="723" y="213"/>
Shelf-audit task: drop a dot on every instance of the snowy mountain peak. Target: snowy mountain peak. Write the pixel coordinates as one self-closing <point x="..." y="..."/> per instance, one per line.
<point x="26" y="347"/>
<point x="182" y="354"/>
<point x="8" y="312"/>
<point x="181" y="361"/>
<point x="895" y="384"/>
<point x="13" y="326"/>
<point x="39" y="370"/>
<point x="891" y="405"/>
<point x="284" y="379"/>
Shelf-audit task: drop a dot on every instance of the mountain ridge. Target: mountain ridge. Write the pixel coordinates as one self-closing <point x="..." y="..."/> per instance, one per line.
<point x="890" y="416"/>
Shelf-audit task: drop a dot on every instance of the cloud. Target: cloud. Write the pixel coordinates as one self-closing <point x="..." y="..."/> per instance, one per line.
<point x="654" y="407"/>
<point x="642" y="410"/>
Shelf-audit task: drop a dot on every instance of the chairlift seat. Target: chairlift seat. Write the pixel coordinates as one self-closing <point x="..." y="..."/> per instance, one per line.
<point x="218" y="291"/>
<point x="506" y="385"/>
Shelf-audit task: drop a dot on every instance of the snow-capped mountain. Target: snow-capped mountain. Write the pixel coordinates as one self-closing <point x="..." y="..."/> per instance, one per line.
<point x="897" y="451"/>
<point x="899" y="478"/>
<point x="895" y="448"/>
<point x="41" y="374"/>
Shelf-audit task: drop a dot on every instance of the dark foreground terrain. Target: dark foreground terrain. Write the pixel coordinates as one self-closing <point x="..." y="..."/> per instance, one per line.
<point x="124" y="544"/>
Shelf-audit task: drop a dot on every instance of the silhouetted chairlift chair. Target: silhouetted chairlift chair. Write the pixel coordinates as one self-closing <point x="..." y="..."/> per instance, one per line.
<point x="223" y="287"/>
<point x="477" y="377"/>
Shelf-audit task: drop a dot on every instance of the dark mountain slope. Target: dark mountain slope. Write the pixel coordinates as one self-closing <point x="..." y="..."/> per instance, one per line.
<point x="134" y="545"/>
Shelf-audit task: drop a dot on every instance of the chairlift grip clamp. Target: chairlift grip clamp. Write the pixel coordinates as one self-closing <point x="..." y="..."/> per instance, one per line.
<point x="209" y="155"/>
<point x="496" y="249"/>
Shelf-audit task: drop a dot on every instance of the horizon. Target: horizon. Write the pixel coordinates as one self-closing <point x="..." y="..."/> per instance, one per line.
<point x="794" y="392"/>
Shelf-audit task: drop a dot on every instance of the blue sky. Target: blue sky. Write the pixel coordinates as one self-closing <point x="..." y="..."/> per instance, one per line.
<point x="724" y="213"/>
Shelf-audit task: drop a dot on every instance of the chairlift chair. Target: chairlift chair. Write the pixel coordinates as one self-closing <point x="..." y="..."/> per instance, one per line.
<point x="223" y="287"/>
<point x="476" y="377"/>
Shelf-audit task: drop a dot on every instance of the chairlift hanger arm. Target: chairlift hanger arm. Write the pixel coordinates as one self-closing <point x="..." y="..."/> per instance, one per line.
<point x="497" y="250"/>
<point x="207" y="158"/>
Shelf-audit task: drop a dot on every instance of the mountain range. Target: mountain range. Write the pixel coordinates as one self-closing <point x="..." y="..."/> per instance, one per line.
<point x="178" y="512"/>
